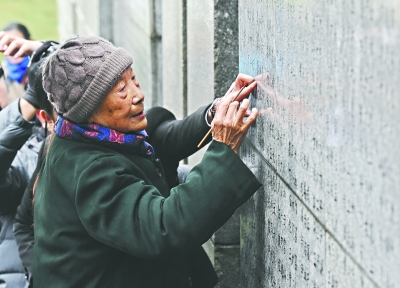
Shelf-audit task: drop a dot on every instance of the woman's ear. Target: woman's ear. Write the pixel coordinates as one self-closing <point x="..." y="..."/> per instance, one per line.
<point x="43" y="117"/>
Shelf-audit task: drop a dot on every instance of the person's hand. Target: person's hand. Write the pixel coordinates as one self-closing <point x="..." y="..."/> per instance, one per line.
<point x="241" y="80"/>
<point x="16" y="46"/>
<point x="228" y="125"/>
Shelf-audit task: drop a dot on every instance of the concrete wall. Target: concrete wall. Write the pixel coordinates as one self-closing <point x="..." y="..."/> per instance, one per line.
<point x="132" y="31"/>
<point x="174" y="56"/>
<point x="325" y="145"/>
<point x="75" y="19"/>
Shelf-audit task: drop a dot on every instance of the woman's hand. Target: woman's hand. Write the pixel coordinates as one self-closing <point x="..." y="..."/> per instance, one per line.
<point x="241" y="80"/>
<point x="17" y="47"/>
<point x="229" y="126"/>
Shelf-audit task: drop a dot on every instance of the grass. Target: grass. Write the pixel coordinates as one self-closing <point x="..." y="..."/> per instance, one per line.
<point x="39" y="16"/>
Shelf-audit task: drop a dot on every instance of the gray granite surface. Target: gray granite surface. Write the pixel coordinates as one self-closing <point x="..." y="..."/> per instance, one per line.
<point x="326" y="144"/>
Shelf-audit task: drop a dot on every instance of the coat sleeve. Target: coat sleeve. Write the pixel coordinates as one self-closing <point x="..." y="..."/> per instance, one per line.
<point x="23" y="229"/>
<point x="23" y="221"/>
<point x="174" y="140"/>
<point x="118" y="209"/>
<point x="14" y="132"/>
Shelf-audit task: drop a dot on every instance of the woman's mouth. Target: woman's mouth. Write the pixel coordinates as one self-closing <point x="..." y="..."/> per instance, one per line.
<point x="140" y="114"/>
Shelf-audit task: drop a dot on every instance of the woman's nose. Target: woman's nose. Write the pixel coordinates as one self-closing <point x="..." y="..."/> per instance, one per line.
<point x="139" y="97"/>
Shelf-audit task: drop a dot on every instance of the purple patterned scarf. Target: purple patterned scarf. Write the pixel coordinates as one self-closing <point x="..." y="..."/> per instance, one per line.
<point x="98" y="133"/>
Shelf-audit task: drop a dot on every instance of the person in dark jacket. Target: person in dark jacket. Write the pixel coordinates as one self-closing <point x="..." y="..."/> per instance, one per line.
<point x="19" y="148"/>
<point x="108" y="210"/>
<point x="23" y="221"/>
<point x="18" y="154"/>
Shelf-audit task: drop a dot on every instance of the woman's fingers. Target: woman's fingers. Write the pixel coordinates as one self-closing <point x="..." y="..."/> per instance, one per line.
<point x="246" y="91"/>
<point x="243" y="80"/>
<point x="222" y="107"/>
<point x="4" y="41"/>
<point x="233" y="133"/>
<point x="241" y="112"/>
<point x="17" y="46"/>
<point x="21" y="47"/>
<point x="230" y="114"/>
<point x="12" y="48"/>
<point x="250" y="119"/>
<point x="22" y="51"/>
<point x="231" y="88"/>
<point x="228" y="125"/>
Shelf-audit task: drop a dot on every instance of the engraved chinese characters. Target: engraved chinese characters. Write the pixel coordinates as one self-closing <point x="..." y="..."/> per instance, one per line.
<point x="324" y="145"/>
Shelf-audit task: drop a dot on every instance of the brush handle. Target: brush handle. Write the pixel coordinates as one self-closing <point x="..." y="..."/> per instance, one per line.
<point x="204" y="139"/>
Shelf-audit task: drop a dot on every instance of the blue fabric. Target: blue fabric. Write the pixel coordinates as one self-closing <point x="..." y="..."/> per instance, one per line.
<point x="16" y="72"/>
<point x="98" y="133"/>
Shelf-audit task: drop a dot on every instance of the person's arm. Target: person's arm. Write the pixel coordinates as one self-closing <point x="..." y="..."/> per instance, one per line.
<point x="14" y="132"/>
<point x="23" y="221"/>
<point x="28" y="111"/>
<point x="124" y="213"/>
<point x="23" y="228"/>
<point x="177" y="139"/>
<point x="18" y="47"/>
<point x="174" y="140"/>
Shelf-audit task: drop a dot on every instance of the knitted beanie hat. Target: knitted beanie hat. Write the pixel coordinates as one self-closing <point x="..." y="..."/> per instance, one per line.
<point x="79" y="75"/>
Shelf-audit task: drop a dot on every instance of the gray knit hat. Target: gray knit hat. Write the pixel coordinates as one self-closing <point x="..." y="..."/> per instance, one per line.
<point x="80" y="74"/>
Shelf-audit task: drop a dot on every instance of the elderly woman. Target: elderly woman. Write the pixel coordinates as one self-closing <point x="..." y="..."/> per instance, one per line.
<point x="108" y="208"/>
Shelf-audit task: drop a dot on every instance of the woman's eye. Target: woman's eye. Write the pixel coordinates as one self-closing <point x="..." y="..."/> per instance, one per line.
<point x="122" y="89"/>
<point x="133" y="78"/>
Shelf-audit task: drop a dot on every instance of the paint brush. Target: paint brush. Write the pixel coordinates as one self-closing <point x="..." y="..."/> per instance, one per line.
<point x="209" y="131"/>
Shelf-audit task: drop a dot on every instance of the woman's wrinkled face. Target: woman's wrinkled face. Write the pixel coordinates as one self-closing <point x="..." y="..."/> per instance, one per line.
<point x="123" y="107"/>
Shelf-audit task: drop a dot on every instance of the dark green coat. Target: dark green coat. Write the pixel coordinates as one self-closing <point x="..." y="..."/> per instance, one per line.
<point x="105" y="217"/>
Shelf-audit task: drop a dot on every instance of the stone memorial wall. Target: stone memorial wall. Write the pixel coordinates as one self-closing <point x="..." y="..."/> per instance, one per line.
<point x="326" y="143"/>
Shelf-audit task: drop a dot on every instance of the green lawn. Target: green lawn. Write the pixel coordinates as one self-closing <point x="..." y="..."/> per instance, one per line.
<point x="39" y="16"/>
